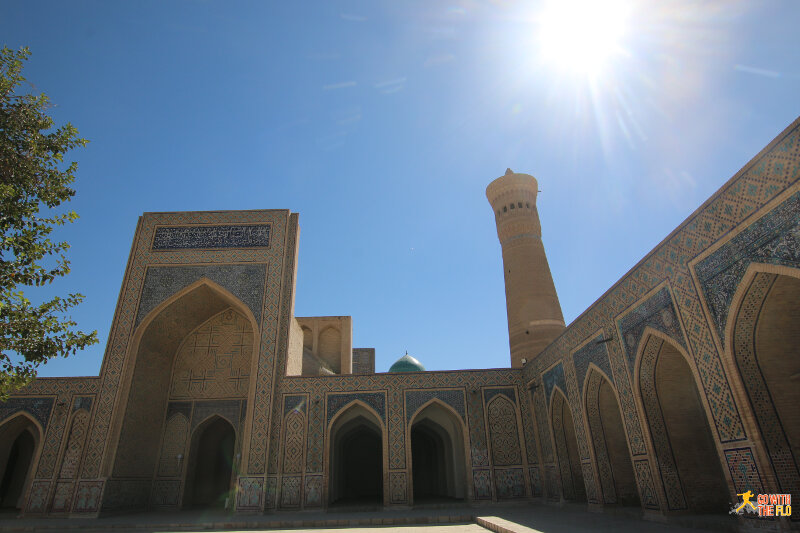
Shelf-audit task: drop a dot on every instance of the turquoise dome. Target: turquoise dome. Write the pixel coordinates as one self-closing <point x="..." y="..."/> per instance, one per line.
<point x="407" y="364"/>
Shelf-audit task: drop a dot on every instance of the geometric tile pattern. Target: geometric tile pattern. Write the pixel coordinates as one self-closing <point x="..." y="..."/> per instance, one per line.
<point x="560" y="440"/>
<point x="744" y="471"/>
<point x="229" y="236"/>
<point x="658" y="312"/>
<point x="490" y="393"/>
<point x="249" y="493"/>
<point x="38" y="408"/>
<point x="376" y="400"/>
<point x="453" y="398"/>
<point x="290" y="491"/>
<point x="772" y="239"/>
<point x="554" y="377"/>
<point x="595" y="351"/>
<point x="598" y="437"/>
<point x="294" y="435"/>
<point x="74" y="449"/>
<point x="62" y="497"/>
<point x="124" y="322"/>
<point x="644" y="479"/>
<point x="505" y="442"/>
<point x="246" y="282"/>
<point x="398" y="491"/>
<point x="510" y="483"/>
<point x="482" y="483"/>
<point x="37" y="500"/>
<point x="214" y="361"/>
<point x="658" y="429"/>
<point x="313" y="492"/>
<point x="744" y="343"/>
<point x="87" y="497"/>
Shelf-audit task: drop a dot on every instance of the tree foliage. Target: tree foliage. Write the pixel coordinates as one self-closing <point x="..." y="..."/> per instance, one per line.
<point x="34" y="180"/>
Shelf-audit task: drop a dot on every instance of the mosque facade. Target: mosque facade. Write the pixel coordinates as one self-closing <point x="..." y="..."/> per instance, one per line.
<point x="673" y="393"/>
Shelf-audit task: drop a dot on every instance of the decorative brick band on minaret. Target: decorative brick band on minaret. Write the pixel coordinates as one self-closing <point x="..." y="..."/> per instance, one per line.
<point x="534" y="313"/>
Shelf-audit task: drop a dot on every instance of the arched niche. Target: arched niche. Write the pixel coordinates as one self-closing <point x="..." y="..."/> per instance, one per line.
<point x="608" y="439"/>
<point x="355" y="464"/>
<point x="678" y="424"/>
<point x="148" y="370"/>
<point x="764" y="340"/>
<point x="438" y="459"/>
<point x="566" y="447"/>
<point x="209" y="473"/>
<point x="20" y="440"/>
<point x="329" y="348"/>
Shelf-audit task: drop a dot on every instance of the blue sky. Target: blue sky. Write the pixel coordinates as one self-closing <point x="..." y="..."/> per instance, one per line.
<point x="381" y="123"/>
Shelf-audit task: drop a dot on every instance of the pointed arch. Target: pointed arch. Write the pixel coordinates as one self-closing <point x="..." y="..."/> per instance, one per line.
<point x="437" y="442"/>
<point x="565" y="444"/>
<point x="356" y="427"/>
<point x="20" y="449"/>
<point x="144" y="385"/>
<point x="760" y="356"/>
<point x="210" y="465"/>
<point x="679" y="426"/>
<point x="608" y="439"/>
<point x="504" y="438"/>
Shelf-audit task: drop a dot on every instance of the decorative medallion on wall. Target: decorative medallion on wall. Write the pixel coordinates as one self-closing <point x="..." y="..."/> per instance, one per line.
<point x="595" y="351"/>
<point x="658" y="312"/>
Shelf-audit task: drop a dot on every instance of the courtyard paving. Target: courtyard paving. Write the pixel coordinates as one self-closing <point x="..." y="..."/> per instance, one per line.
<point x="532" y="517"/>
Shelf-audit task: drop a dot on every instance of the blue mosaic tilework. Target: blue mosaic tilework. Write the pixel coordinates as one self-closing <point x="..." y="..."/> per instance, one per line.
<point x="82" y="402"/>
<point x="39" y="408"/>
<point x="551" y="378"/>
<point x="743" y="469"/>
<point x="488" y="394"/>
<point x="773" y="239"/>
<point x="658" y="312"/>
<point x="417" y="398"/>
<point x="647" y="490"/>
<point x="221" y="236"/>
<point x="376" y="400"/>
<point x="297" y="402"/>
<point x="592" y="353"/>
<point x="510" y="483"/>
<point x="246" y="282"/>
<point x="184" y="408"/>
<point x="227" y="409"/>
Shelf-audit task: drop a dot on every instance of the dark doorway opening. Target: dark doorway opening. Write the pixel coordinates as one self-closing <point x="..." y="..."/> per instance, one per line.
<point x="211" y="466"/>
<point x="428" y="458"/>
<point x="357" y="464"/>
<point x="16" y="471"/>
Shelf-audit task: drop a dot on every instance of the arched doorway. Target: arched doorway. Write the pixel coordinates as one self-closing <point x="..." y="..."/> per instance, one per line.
<point x="437" y="455"/>
<point x="162" y="338"/>
<point x="687" y="455"/>
<point x="19" y="438"/>
<point x="356" y="457"/>
<point x="209" y="479"/>
<point x="766" y="337"/>
<point x="609" y="442"/>
<point x="566" y="445"/>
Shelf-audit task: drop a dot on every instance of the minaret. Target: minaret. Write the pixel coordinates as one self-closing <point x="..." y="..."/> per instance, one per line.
<point x="534" y="314"/>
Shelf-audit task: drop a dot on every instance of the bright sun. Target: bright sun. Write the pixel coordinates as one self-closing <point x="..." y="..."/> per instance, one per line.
<point x="582" y="35"/>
